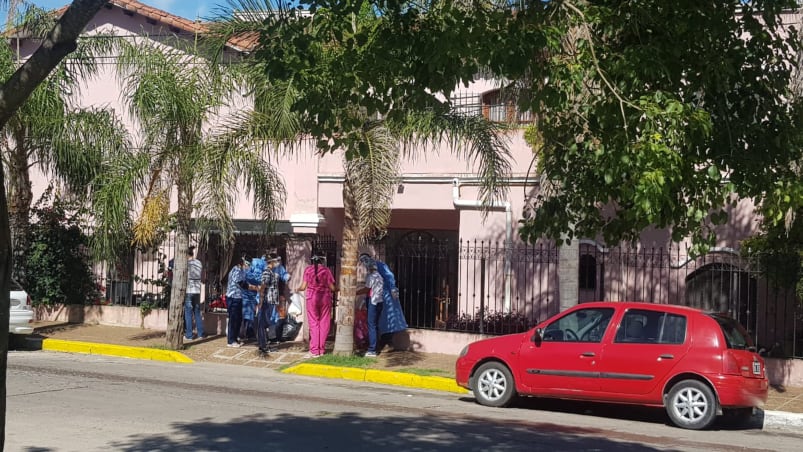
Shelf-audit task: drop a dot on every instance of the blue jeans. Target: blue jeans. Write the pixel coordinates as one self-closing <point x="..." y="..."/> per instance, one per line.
<point x="263" y="322"/>
<point x="192" y="308"/>
<point x="374" y="311"/>
<point x="235" y="308"/>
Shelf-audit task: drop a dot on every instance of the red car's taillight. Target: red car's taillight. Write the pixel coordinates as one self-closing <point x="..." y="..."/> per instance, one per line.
<point x="746" y="367"/>
<point x="730" y="365"/>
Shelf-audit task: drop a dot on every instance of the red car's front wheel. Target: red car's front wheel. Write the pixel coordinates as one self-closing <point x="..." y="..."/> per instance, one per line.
<point x="493" y="385"/>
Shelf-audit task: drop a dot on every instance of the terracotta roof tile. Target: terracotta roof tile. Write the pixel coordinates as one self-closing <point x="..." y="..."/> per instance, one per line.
<point x="244" y="42"/>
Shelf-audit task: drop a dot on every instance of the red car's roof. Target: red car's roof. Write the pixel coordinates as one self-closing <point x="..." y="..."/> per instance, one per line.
<point x="641" y="305"/>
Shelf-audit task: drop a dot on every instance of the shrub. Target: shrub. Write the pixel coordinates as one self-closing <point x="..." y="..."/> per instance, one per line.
<point x="56" y="264"/>
<point x="493" y="322"/>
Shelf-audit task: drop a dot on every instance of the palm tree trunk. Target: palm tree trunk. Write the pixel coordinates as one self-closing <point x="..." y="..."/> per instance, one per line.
<point x="175" y="314"/>
<point x="20" y="197"/>
<point x="344" y="315"/>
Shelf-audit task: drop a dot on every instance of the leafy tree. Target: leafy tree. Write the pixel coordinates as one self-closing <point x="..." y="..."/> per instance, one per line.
<point x="656" y="114"/>
<point x="649" y="114"/>
<point x="13" y="93"/>
<point x="318" y="82"/>
<point x="175" y="92"/>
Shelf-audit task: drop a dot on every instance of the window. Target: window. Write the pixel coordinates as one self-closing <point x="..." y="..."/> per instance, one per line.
<point x="498" y="107"/>
<point x="585" y="325"/>
<point x="642" y="326"/>
<point x="735" y="336"/>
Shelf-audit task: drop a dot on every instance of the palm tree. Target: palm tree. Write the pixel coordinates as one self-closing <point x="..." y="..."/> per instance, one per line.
<point x="174" y="93"/>
<point x="372" y="150"/>
<point x="65" y="143"/>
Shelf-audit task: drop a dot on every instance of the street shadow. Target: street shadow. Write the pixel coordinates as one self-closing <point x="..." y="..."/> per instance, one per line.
<point x="638" y="413"/>
<point x="351" y="431"/>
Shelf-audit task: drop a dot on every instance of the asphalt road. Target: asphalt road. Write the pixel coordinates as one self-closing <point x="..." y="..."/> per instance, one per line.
<point x="66" y="402"/>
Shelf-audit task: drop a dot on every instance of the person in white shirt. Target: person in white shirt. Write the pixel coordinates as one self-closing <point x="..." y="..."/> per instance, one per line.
<point x="192" y="300"/>
<point x="374" y="288"/>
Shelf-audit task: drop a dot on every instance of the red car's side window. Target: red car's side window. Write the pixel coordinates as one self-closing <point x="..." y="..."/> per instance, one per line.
<point x="585" y="325"/>
<point x="642" y="326"/>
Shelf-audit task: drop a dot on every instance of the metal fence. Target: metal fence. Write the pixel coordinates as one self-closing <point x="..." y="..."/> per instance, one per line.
<point x="487" y="287"/>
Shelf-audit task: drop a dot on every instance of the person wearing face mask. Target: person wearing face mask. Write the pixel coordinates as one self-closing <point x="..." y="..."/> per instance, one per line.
<point x="375" y="291"/>
<point x="237" y="283"/>
<point x="319" y="284"/>
<point x="269" y="300"/>
<point x="391" y="319"/>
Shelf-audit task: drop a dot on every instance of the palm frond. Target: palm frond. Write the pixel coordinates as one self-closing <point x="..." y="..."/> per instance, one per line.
<point x="230" y="169"/>
<point x="122" y="181"/>
<point x="79" y="144"/>
<point x="243" y="19"/>
<point x="374" y="175"/>
<point x="271" y="120"/>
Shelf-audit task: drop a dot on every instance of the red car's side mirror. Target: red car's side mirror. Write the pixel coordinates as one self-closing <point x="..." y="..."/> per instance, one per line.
<point x="537" y="336"/>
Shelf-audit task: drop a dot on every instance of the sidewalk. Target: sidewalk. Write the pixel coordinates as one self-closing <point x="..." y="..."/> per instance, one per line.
<point x="784" y="408"/>
<point x="148" y="344"/>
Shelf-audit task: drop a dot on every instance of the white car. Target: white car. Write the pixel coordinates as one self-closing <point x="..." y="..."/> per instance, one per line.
<point x="20" y="319"/>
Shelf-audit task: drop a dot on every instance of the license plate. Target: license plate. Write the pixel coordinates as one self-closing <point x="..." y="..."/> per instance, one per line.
<point x="756" y="368"/>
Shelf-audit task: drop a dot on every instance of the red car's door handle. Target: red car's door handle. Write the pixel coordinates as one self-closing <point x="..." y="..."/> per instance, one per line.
<point x="588" y="354"/>
<point x="666" y="356"/>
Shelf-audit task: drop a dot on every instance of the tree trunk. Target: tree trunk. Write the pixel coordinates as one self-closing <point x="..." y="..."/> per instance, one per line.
<point x="58" y="43"/>
<point x="569" y="274"/>
<point x="175" y="314"/>
<point x="5" y="303"/>
<point x="344" y="315"/>
<point x="20" y="197"/>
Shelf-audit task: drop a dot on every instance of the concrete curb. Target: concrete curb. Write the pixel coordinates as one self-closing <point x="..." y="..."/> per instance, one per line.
<point x="783" y="420"/>
<point x="92" y="348"/>
<point x="377" y="376"/>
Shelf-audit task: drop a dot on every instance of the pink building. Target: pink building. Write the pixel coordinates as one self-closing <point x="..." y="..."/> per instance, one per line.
<point x="455" y="270"/>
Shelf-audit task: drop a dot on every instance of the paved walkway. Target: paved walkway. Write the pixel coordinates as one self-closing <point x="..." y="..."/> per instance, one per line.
<point x="391" y="367"/>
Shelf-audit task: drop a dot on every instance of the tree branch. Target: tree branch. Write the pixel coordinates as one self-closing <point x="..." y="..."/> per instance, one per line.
<point x="60" y="42"/>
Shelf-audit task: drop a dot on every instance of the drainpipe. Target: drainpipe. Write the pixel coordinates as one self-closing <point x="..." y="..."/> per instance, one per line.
<point x="474" y="204"/>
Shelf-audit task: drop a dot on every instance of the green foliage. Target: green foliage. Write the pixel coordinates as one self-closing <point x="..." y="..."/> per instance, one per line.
<point x="779" y="251"/>
<point x="661" y="114"/>
<point x="338" y="79"/>
<point x="57" y="268"/>
<point x="649" y="113"/>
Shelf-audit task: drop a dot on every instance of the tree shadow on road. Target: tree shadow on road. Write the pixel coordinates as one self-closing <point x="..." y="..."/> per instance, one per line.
<point x="351" y="431"/>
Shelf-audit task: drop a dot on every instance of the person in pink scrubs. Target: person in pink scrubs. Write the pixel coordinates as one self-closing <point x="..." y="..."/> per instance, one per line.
<point x="319" y="283"/>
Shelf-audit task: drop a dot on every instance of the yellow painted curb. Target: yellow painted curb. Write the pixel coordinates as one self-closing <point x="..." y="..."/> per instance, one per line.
<point x="92" y="348"/>
<point x="377" y="376"/>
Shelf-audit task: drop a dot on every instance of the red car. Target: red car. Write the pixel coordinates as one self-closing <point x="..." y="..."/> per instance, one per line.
<point x="695" y="364"/>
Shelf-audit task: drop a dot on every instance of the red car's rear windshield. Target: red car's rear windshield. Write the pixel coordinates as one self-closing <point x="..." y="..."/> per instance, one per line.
<point x="735" y="336"/>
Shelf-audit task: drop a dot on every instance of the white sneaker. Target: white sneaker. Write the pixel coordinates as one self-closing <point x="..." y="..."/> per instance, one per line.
<point x="370" y="354"/>
<point x="234" y="345"/>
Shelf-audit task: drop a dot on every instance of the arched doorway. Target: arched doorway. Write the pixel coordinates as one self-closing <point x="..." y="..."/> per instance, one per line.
<point x="721" y="287"/>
